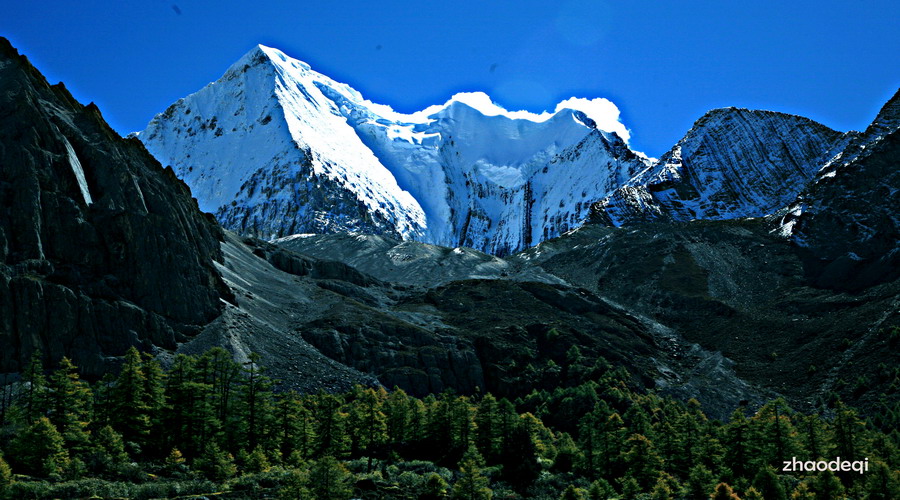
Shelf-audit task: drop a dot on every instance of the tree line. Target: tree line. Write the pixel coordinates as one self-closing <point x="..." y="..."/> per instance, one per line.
<point x="208" y="423"/>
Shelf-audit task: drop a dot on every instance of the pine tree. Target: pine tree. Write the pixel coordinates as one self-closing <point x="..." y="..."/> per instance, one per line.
<point x="131" y="413"/>
<point x="329" y="480"/>
<point x="700" y="482"/>
<point x="641" y="460"/>
<point x="397" y="411"/>
<point x="368" y="424"/>
<point x="295" y="425"/>
<point x="768" y="484"/>
<point x="40" y="449"/>
<point x="435" y="487"/>
<point x="567" y="454"/>
<point x="35" y="402"/>
<point x="573" y="493"/>
<point x="882" y="483"/>
<point x="661" y="491"/>
<point x="71" y="406"/>
<point x="753" y="494"/>
<point x="601" y="490"/>
<point x="487" y="427"/>
<point x="331" y="436"/>
<point x="737" y="443"/>
<point x="472" y="484"/>
<point x="724" y="492"/>
<point x="295" y="487"/>
<point x="802" y="492"/>
<point x="828" y="486"/>
<point x="256" y="402"/>
<point x="215" y="463"/>
<point x="5" y="476"/>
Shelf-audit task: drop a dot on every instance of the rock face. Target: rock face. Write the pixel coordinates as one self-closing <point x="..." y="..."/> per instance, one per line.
<point x="100" y="247"/>
<point x="274" y="148"/>
<point x="847" y="221"/>
<point x="732" y="163"/>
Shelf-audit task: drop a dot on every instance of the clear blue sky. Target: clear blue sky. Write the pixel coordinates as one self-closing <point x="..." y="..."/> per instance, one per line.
<point x="663" y="63"/>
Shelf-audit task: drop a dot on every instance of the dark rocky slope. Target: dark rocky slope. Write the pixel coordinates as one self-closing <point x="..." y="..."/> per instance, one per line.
<point x="738" y="288"/>
<point x="100" y="248"/>
<point x="847" y="221"/>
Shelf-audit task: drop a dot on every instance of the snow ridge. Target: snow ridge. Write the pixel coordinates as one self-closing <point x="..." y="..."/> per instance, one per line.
<point x="274" y="148"/>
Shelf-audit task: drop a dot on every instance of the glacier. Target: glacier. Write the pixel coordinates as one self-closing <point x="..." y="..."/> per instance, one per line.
<point x="274" y="148"/>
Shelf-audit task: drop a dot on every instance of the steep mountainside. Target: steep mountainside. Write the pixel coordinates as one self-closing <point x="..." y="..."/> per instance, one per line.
<point x="100" y="247"/>
<point x="274" y="148"/>
<point x="847" y="221"/>
<point x="739" y="288"/>
<point x="732" y="163"/>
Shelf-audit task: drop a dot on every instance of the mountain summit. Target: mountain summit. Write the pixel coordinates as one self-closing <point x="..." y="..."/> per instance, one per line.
<point x="274" y="148"/>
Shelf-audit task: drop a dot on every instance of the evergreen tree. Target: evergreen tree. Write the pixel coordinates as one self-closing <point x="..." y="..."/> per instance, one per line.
<point x="828" y="486"/>
<point x="753" y="494"/>
<point x="573" y="493"/>
<point x="256" y="402"/>
<point x="768" y="484"/>
<point x="5" y="476"/>
<point x="295" y="424"/>
<point x="435" y="488"/>
<point x="724" y="492"/>
<point x="472" y="484"/>
<point x="131" y="413"/>
<point x="109" y="450"/>
<point x="700" y="482"/>
<point x="802" y="492"/>
<point x="397" y="411"/>
<point x="35" y="402"/>
<point x="71" y="406"/>
<point x="641" y="460"/>
<point x="40" y="449"/>
<point x="368" y="424"/>
<point x="882" y="483"/>
<point x="567" y="454"/>
<point x="190" y="419"/>
<point x="662" y="490"/>
<point x="737" y="443"/>
<point x="330" y="480"/>
<point x="487" y="427"/>
<point x="215" y="463"/>
<point x="331" y="436"/>
<point x="296" y="486"/>
<point x="601" y="490"/>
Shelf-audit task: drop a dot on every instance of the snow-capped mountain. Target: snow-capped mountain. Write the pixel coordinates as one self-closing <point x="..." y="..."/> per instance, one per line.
<point x="274" y="148"/>
<point x="732" y="163"/>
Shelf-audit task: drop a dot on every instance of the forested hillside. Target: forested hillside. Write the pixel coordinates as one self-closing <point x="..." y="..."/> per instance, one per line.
<point x="209" y="425"/>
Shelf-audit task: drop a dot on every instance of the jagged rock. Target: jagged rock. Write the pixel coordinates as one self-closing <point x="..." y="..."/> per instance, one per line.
<point x="732" y="163"/>
<point x="100" y="247"/>
<point x="846" y="222"/>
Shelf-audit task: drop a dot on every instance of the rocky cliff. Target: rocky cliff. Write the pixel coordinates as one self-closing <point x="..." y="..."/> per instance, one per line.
<point x="732" y="163"/>
<point x="100" y="247"/>
<point x="846" y="221"/>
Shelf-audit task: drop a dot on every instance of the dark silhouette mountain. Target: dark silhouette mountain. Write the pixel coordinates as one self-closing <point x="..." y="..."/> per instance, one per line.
<point x="100" y="247"/>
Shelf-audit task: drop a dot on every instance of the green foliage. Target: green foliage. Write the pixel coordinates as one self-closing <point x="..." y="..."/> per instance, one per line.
<point x="329" y="480"/>
<point x="724" y="492"/>
<point x="572" y="441"/>
<point x="5" y="476"/>
<point x="472" y="484"/>
<point x="40" y="449"/>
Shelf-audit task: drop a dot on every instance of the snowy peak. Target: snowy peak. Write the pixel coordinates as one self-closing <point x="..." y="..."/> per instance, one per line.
<point x="274" y="148"/>
<point x="732" y="163"/>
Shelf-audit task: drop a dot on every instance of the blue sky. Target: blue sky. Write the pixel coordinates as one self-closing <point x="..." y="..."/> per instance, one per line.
<point x="662" y="63"/>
